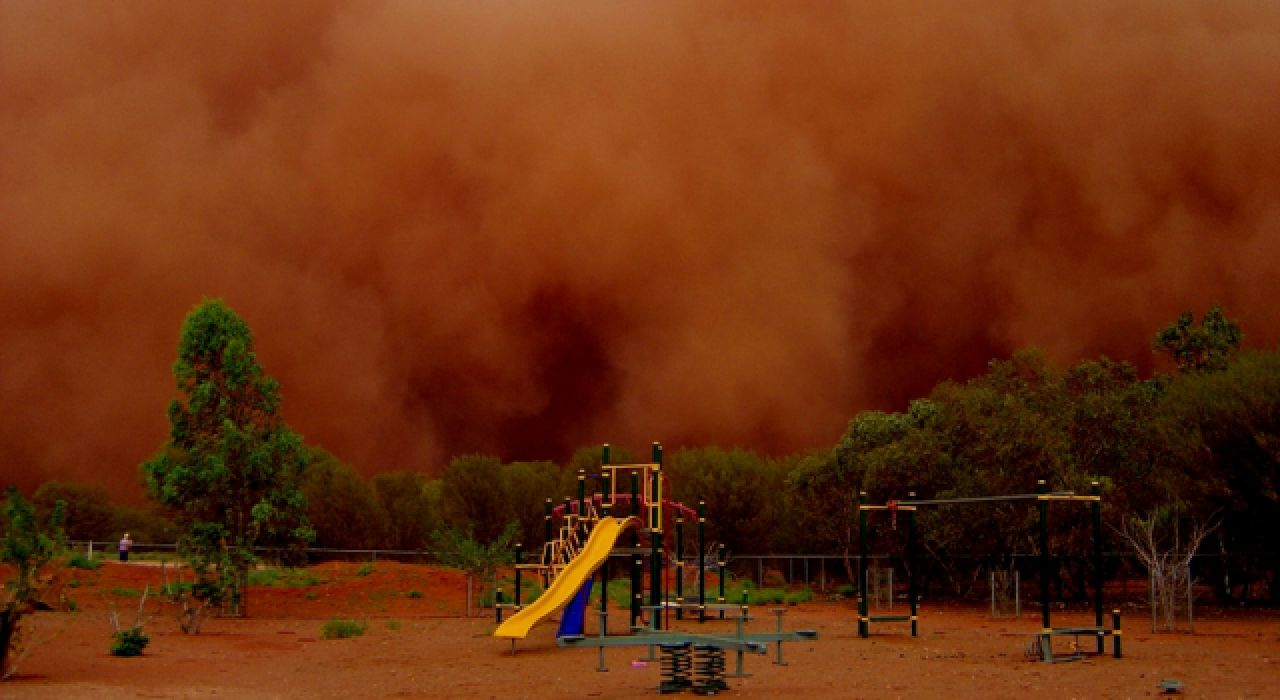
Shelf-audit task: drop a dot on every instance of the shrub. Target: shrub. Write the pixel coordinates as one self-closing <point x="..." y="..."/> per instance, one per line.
<point x="415" y="594"/>
<point x="263" y="577"/>
<point x="393" y="625"/>
<point x="126" y="592"/>
<point x="338" y="628"/>
<point x="302" y="579"/>
<point x="80" y="561"/>
<point x="312" y="595"/>
<point x="128" y="642"/>
<point x="365" y="569"/>
<point x="799" y="597"/>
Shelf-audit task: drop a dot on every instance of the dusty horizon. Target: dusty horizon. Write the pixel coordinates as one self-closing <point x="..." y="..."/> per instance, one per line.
<point x="521" y="228"/>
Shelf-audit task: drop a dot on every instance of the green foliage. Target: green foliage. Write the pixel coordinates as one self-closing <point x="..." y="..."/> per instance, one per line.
<point x="338" y="628"/>
<point x="474" y="498"/>
<point x="231" y="468"/>
<point x="745" y="494"/>
<point x="80" y="561"/>
<point x="393" y="625"/>
<point x="87" y="515"/>
<point x="460" y="550"/>
<point x="128" y="642"/>
<point x="28" y="545"/>
<point x="415" y="594"/>
<point x="1206" y="348"/>
<point x="125" y="592"/>
<point x="411" y="505"/>
<point x="341" y="506"/>
<point x="803" y="596"/>
<point x="365" y="569"/>
<point x="263" y="577"/>
<point x="144" y="524"/>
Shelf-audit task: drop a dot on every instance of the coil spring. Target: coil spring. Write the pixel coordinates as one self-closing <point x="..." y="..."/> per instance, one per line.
<point x="676" y="667"/>
<point x="709" y="666"/>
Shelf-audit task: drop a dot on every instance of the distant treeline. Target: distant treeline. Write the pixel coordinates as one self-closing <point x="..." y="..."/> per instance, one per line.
<point x="1201" y="444"/>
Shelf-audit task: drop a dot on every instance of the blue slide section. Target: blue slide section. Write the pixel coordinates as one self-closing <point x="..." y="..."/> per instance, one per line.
<point x="571" y="622"/>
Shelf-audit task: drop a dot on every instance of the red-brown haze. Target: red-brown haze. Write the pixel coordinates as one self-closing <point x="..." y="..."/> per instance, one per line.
<point x="521" y="227"/>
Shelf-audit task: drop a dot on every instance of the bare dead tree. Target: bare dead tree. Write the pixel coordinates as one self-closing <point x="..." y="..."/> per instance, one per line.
<point x="1167" y="548"/>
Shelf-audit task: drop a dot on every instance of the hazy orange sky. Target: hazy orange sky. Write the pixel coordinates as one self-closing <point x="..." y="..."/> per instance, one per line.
<point x="522" y="227"/>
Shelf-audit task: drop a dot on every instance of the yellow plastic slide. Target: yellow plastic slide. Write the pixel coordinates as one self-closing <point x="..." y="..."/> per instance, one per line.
<point x="571" y="578"/>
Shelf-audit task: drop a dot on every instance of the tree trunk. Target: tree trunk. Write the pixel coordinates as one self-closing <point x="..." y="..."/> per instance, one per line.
<point x="8" y="626"/>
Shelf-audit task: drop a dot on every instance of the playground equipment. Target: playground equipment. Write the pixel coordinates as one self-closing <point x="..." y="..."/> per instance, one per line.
<point x="1043" y="638"/>
<point x="589" y="535"/>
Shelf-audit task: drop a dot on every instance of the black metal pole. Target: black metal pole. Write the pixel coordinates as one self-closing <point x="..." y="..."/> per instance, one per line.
<point x="655" y="541"/>
<point x="519" y="561"/>
<point x="864" y="626"/>
<point x="680" y="567"/>
<point x="911" y="565"/>
<point x="1097" y="563"/>
<point x="702" y="561"/>
<point x="1044" y="556"/>
<point x="721" y="563"/>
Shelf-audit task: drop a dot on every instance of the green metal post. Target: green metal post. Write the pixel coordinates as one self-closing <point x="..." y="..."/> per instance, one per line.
<point x="680" y="567"/>
<point x="911" y="566"/>
<point x="655" y="541"/>
<point x="519" y="561"/>
<point x="637" y="572"/>
<point x="1041" y="488"/>
<point x="864" y="626"/>
<point x="702" y="561"/>
<point x="1097" y="563"/>
<point x="547" y="534"/>
<point x="1115" y="632"/>
<point x="720" y="561"/>
<point x="606" y="482"/>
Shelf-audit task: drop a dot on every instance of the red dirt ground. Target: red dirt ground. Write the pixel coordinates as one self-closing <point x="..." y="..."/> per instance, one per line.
<point x="277" y="652"/>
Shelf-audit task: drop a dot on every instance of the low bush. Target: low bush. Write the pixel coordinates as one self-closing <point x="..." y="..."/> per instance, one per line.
<point x="393" y="625"/>
<point x="128" y="642"/>
<point x="301" y="579"/>
<point x="799" y="597"/>
<point x="80" y="561"/>
<point x="415" y="594"/>
<point x="365" y="569"/>
<point x="263" y="577"/>
<point x="338" y="628"/>
<point x="126" y="592"/>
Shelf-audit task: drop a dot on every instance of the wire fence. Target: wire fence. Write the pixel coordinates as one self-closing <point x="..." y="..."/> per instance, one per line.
<point x="1238" y="576"/>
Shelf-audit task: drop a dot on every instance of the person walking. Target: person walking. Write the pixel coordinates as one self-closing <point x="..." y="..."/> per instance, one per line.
<point x="125" y="544"/>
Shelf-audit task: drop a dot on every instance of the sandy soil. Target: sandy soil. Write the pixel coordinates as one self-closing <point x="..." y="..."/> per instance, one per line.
<point x="435" y="652"/>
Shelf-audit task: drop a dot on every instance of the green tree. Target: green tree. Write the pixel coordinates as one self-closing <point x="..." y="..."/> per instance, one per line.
<point x="459" y="549"/>
<point x="475" y="498"/>
<point x="88" y="513"/>
<point x="231" y="467"/>
<point x="1204" y="348"/>
<point x="28" y="545"/>
<point x="341" y="506"/>
<point x="412" y="512"/>
<point x="527" y="485"/>
<point x="744" y="492"/>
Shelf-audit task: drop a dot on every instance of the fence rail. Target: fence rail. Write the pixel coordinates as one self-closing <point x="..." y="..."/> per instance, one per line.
<point x="828" y="571"/>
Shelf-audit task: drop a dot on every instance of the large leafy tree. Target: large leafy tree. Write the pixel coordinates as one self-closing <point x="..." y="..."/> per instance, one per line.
<point x="1207" y="347"/>
<point x="231" y="468"/>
